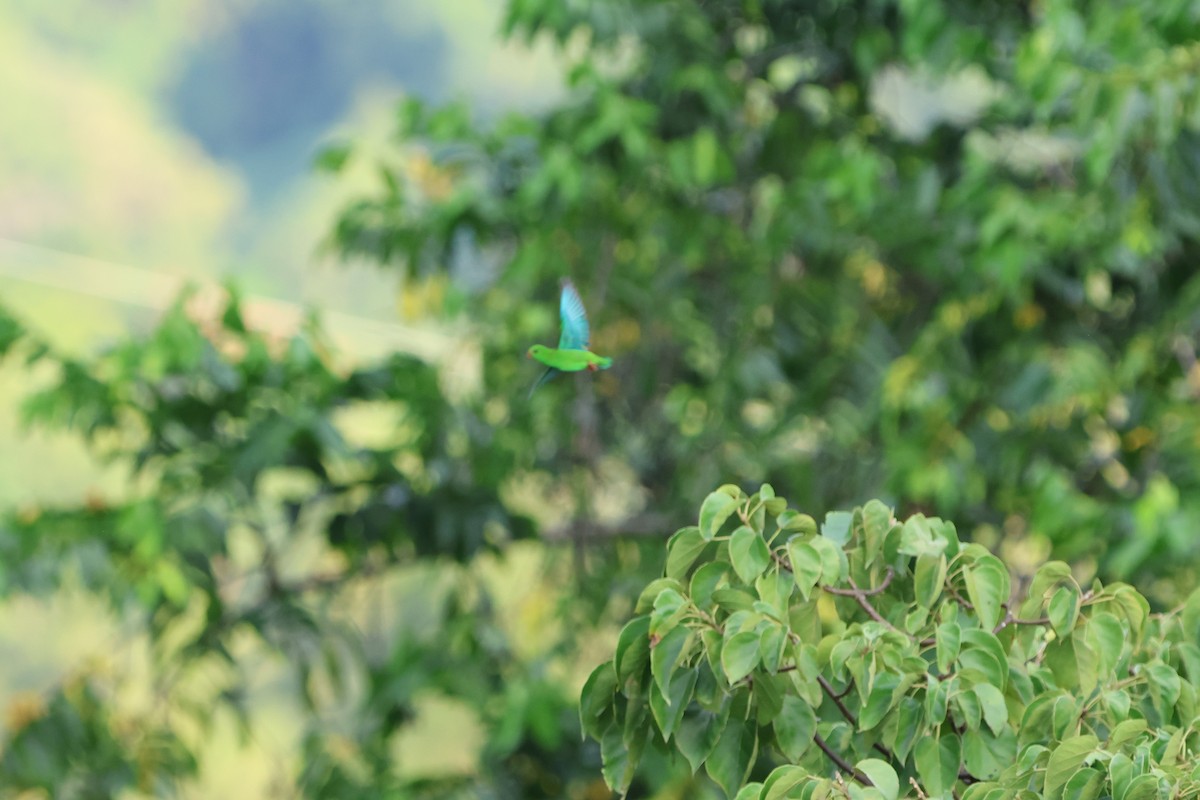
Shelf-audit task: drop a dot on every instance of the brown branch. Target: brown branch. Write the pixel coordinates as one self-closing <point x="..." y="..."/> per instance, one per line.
<point x="962" y="601"/>
<point x="842" y="763"/>
<point x="837" y="701"/>
<point x="582" y="531"/>
<point x="1009" y="619"/>
<point x="860" y="596"/>
<point x="857" y="592"/>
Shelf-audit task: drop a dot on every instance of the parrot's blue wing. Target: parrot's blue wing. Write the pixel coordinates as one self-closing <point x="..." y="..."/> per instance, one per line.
<point x="575" y="334"/>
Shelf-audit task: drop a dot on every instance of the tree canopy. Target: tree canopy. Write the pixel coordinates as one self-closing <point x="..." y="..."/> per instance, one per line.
<point x="936" y="253"/>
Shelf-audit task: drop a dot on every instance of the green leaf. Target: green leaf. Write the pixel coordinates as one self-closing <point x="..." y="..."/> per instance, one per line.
<point x="833" y="560"/>
<point x="877" y="521"/>
<point x="683" y="549"/>
<point x="1047" y="576"/>
<point x="733" y="599"/>
<point x="995" y="711"/>
<point x="783" y="780"/>
<point x="714" y="511"/>
<point x="750" y="791"/>
<point x="1120" y="773"/>
<point x="937" y="759"/>
<point x="794" y="725"/>
<point x="596" y="698"/>
<point x="988" y="586"/>
<point x="665" y="656"/>
<point x="705" y="581"/>
<point x="668" y="710"/>
<point x="880" y="701"/>
<point x="1143" y="787"/>
<point x="1125" y="731"/>
<point x="985" y="755"/>
<point x="1165" y="687"/>
<point x="1065" y="760"/>
<point x="749" y="554"/>
<point x="806" y="565"/>
<point x="917" y="539"/>
<point x="1106" y="636"/>
<point x="616" y="766"/>
<point x="772" y="643"/>
<point x="698" y="735"/>
<point x="731" y="759"/>
<point x="740" y="655"/>
<point x="929" y="577"/>
<point x="633" y="648"/>
<point x="882" y="775"/>
<point x="976" y="644"/>
<point x="948" y="638"/>
<point x="794" y="521"/>
<point x="1063" y="610"/>
<point x="836" y="527"/>
<point x="1085" y="784"/>
<point x="910" y="721"/>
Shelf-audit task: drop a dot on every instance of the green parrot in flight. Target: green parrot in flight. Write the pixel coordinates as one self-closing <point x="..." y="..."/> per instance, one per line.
<point x="572" y="354"/>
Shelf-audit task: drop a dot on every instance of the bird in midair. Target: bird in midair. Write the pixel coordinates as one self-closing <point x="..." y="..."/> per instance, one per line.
<point x="572" y="354"/>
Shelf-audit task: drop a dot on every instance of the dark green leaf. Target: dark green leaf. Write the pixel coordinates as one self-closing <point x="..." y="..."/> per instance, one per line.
<point x="794" y="726"/>
<point x="733" y="756"/>
<point x="596" y="698"/>
<point x="633" y="648"/>
<point x="937" y="760"/>
<point x="665" y="656"/>
<point x="698" y="735"/>
<point x="668" y="710"/>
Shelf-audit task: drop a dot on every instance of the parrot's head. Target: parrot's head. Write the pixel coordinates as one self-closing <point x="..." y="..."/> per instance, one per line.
<point x="536" y="351"/>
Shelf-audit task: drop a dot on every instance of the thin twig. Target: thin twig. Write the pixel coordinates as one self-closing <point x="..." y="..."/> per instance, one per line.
<point x="1009" y="619"/>
<point x="860" y="596"/>
<point x="857" y="592"/>
<point x="842" y="763"/>
<point x="837" y="701"/>
<point x="962" y="601"/>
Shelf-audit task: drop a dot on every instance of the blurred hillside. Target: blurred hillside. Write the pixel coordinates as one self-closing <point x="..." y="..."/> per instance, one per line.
<point x="178" y="136"/>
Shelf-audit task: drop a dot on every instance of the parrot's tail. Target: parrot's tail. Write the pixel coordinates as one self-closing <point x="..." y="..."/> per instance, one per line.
<point x="604" y="363"/>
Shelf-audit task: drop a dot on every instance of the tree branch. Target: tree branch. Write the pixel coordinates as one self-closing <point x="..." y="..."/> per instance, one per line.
<point x="842" y="763"/>
<point x="837" y="701"/>
<point x="861" y="595"/>
<point x="585" y="531"/>
<point x="857" y="592"/>
<point x="1009" y="619"/>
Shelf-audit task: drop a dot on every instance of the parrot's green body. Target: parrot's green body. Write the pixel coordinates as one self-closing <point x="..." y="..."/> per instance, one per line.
<point x="572" y="354"/>
<point x="569" y="360"/>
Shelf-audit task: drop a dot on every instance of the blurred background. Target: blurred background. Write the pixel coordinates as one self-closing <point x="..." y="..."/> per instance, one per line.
<point x="276" y="517"/>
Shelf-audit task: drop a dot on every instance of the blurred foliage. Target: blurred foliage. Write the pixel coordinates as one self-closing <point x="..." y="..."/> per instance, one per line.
<point x="876" y="659"/>
<point x="937" y="253"/>
<point x="995" y="316"/>
<point x="236" y="459"/>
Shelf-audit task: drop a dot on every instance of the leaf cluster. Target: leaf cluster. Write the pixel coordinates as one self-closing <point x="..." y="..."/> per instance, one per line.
<point x="874" y="657"/>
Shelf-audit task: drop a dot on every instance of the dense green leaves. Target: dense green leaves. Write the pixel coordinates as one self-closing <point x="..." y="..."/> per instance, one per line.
<point x="978" y="694"/>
